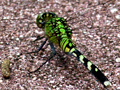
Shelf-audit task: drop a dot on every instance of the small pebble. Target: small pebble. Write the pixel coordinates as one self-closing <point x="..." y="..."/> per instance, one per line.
<point x="40" y="0"/>
<point x="34" y="78"/>
<point x="17" y="39"/>
<point x="21" y="36"/>
<point x="118" y="35"/>
<point x="118" y="60"/>
<point x="16" y="48"/>
<point x="52" y="81"/>
<point x="117" y="17"/>
<point x="118" y="88"/>
<point x="113" y="10"/>
<point x="5" y="68"/>
<point x="1" y="81"/>
<point x="98" y="16"/>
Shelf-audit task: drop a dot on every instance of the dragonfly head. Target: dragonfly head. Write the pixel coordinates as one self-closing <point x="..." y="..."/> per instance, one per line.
<point x="43" y="18"/>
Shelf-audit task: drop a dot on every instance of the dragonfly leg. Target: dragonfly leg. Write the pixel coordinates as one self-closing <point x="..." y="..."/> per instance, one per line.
<point x="39" y="38"/>
<point x="39" y="47"/>
<point x="51" y="56"/>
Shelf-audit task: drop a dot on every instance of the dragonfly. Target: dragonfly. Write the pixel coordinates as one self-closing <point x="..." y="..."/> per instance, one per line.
<point x="58" y="33"/>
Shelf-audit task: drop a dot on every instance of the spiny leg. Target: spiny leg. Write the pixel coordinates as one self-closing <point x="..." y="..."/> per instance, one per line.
<point x="38" y="38"/>
<point x="51" y="56"/>
<point x="39" y="47"/>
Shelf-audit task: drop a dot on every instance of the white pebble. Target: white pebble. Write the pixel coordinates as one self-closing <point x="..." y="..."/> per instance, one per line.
<point x="118" y="35"/>
<point x="52" y="81"/>
<point x="106" y="73"/>
<point x="113" y="10"/>
<point x="98" y="16"/>
<point x="118" y="60"/>
<point x="18" y="54"/>
<point x="1" y="42"/>
<point x="117" y="17"/>
<point x="107" y="22"/>
<point x="12" y="37"/>
<point x="10" y="56"/>
<point x="17" y="39"/>
<point x="1" y="81"/>
<point x="21" y="36"/>
<point x="118" y="88"/>
<point x="40" y="0"/>
<point x="21" y="87"/>
<point x="118" y="2"/>
<point x="23" y="57"/>
<point x="32" y="38"/>
<point x="57" y="88"/>
<point x="34" y="78"/>
<point x="16" y="48"/>
<point x="8" y="17"/>
<point x="117" y="74"/>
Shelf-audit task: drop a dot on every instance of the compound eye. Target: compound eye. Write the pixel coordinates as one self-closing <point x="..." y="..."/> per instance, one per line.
<point x="40" y="21"/>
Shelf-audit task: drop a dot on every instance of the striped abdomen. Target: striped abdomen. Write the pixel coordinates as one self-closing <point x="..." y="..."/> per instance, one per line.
<point x="90" y="66"/>
<point x="68" y="47"/>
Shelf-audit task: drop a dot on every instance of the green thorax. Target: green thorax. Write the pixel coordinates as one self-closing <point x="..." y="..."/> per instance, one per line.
<point x="56" y="29"/>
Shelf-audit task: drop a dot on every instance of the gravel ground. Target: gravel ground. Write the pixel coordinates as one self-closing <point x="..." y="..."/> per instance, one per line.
<point x="96" y="33"/>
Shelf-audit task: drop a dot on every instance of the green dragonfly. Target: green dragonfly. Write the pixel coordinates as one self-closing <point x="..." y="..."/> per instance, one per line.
<point x="58" y="33"/>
